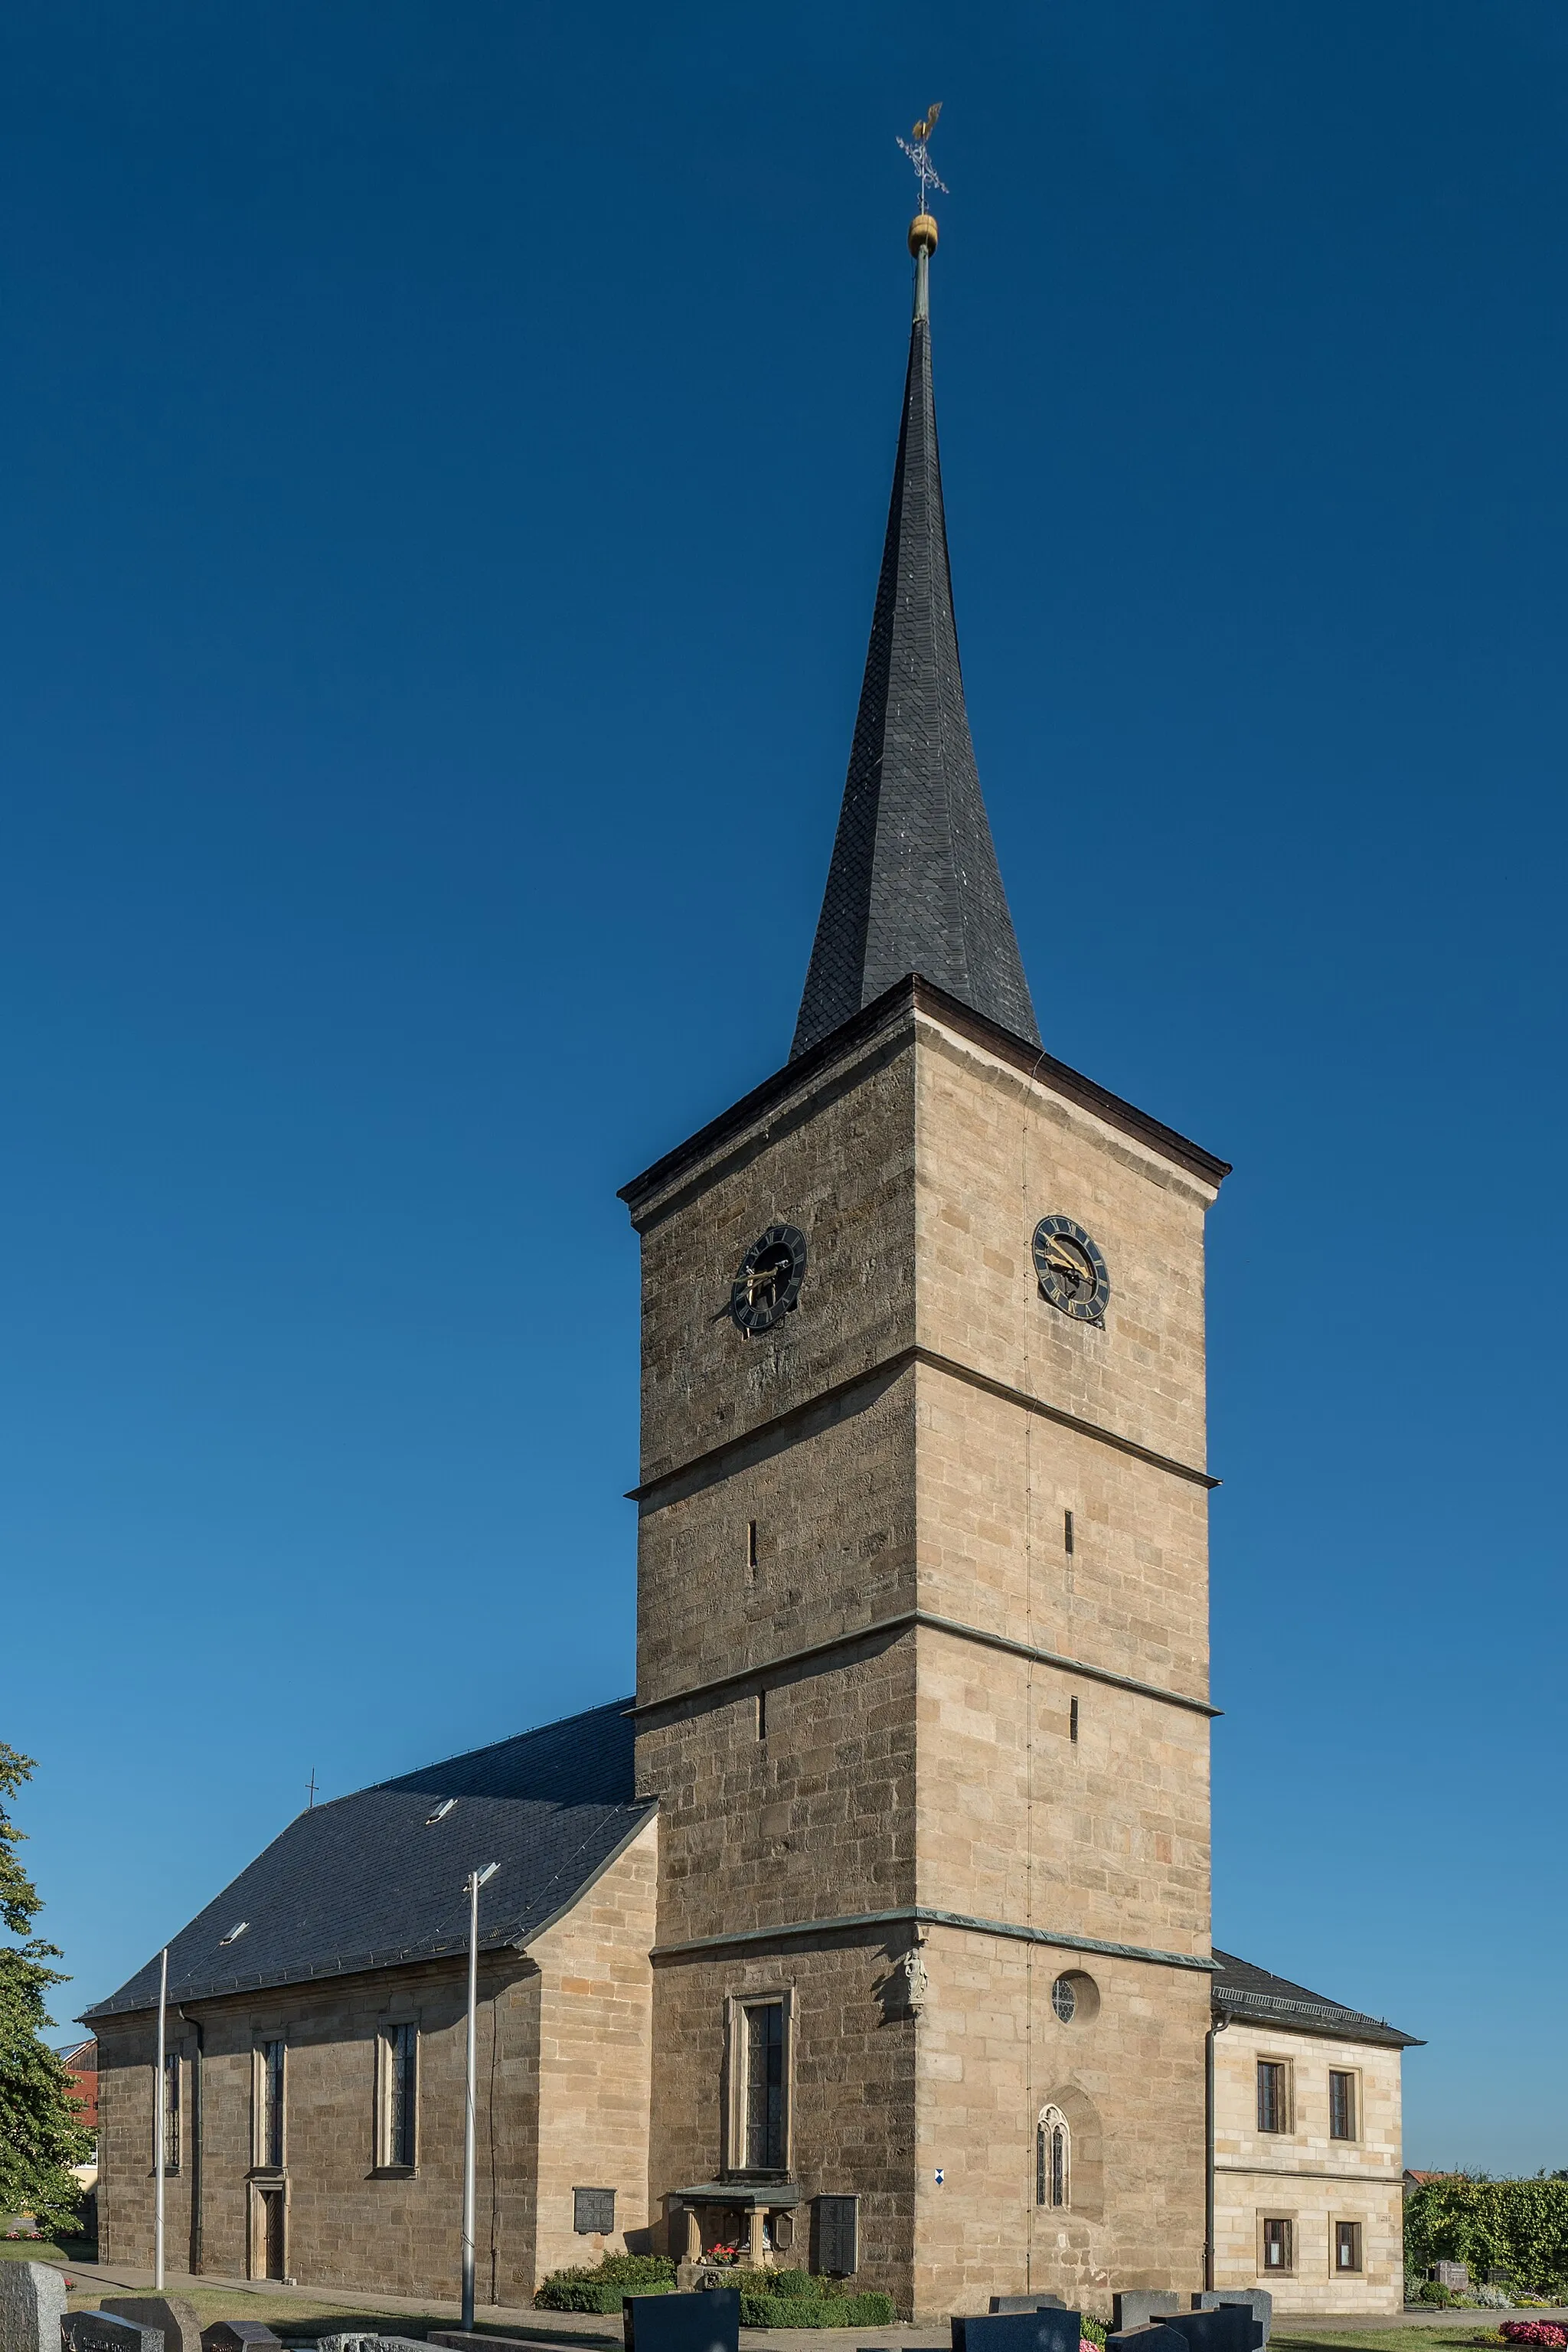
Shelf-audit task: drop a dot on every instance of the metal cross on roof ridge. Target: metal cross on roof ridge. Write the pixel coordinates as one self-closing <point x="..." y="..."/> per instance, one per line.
<point x="915" y="148"/>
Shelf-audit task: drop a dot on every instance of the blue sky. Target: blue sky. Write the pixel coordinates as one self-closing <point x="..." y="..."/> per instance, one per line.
<point x="446" y="456"/>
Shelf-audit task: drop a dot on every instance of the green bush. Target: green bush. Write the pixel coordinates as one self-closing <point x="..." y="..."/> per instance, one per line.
<point x="808" y="2301"/>
<point x="600" y="2287"/>
<point x="1092" y="2330"/>
<point x="1518" y="2226"/>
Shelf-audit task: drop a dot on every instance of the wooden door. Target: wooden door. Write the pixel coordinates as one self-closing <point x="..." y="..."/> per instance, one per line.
<point x="272" y="2231"/>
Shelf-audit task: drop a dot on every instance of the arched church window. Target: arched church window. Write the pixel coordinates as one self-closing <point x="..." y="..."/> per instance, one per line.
<point x="1053" y="2159"/>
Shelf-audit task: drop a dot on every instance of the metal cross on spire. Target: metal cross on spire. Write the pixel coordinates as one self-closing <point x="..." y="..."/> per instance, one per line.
<point x="916" y="148"/>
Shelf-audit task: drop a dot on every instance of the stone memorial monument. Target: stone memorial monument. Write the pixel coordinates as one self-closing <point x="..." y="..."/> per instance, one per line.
<point x="32" y="2305"/>
<point x="103" y="2331"/>
<point x="238" y="2335"/>
<point x="707" y="2322"/>
<point x="1256" y="2299"/>
<point x="1027" y="2303"/>
<point x="175" y="2319"/>
<point x="1039" y="2329"/>
<point x="1139" y="2304"/>
<point x="1223" y="2327"/>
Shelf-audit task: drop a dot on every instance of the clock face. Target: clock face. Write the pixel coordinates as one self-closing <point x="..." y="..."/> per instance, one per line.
<point x="1071" y="1270"/>
<point x="767" y="1287"/>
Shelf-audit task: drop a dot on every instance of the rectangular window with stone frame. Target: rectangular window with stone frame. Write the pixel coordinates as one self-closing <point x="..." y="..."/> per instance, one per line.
<point x="759" y="2069"/>
<point x="1278" y="2248"/>
<point x="1342" y="2104"/>
<point x="1347" y="2249"/>
<point x="1273" y="2095"/>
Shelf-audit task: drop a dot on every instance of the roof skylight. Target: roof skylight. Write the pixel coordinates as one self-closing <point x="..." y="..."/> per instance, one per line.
<point x="238" y="1930"/>
<point x="441" y="1811"/>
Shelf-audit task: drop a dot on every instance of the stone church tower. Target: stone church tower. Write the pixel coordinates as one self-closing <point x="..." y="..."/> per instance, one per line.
<point x="922" y="1639"/>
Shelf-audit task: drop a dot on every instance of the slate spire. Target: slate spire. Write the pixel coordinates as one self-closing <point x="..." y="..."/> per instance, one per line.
<point x="914" y="884"/>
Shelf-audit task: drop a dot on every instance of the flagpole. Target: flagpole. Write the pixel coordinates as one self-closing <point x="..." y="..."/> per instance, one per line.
<point x="475" y="1880"/>
<point x="160" y="2125"/>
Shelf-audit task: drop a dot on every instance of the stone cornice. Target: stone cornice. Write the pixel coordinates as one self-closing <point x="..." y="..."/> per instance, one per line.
<point x="921" y="1914"/>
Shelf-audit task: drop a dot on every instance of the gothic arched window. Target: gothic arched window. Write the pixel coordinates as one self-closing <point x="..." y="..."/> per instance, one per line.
<point x="1053" y="2159"/>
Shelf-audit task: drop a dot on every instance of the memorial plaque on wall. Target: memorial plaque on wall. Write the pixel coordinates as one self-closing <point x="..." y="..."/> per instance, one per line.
<point x="594" y="2211"/>
<point x="838" y="2236"/>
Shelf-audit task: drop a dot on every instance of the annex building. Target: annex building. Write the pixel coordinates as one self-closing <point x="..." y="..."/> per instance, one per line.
<point x="874" y="1931"/>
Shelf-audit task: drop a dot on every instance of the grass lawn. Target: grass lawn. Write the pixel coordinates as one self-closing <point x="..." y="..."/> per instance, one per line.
<point x="1300" y="2335"/>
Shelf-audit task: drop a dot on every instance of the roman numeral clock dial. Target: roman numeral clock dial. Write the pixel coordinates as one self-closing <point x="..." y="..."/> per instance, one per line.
<point x="767" y="1287"/>
<point x="1071" y="1270"/>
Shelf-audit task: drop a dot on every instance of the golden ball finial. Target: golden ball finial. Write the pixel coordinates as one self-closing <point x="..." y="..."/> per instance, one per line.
<point x="922" y="234"/>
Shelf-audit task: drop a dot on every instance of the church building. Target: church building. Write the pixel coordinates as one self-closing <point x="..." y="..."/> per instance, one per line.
<point x="874" y="1932"/>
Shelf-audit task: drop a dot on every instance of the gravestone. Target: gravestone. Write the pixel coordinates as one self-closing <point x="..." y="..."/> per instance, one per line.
<point x="1139" y="2304"/>
<point x="708" y="2321"/>
<point x="1223" y="2327"/>
<point x="1037" y="2330"/>
<point x="1455" y="2276"/>
<point x="175" y="2318"/>
<point x="1258" y="2300"/>
<point x="101" y="2331"/>
<point x="1028" y="2303"/>
<point x="352" y="2343"/>
<point x="238" y="2335"/>
<point x="32" y="2305"/>
<point x="1156" y="2336"/>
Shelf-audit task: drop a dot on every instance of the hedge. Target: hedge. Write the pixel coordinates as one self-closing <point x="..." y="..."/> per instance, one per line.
<point x="1518" y="2226"/>
<point x="601" y="2287"/>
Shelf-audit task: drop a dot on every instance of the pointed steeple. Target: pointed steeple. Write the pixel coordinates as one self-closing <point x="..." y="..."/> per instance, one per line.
<point x="914" y="885"/>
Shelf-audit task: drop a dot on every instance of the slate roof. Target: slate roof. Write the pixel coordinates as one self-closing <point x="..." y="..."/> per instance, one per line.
<point x="913" y="885"/>
<point x="370" y="1881"/>
<point x="1247" y="1992"/>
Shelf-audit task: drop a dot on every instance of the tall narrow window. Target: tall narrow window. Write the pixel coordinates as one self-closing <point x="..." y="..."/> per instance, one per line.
<point x="171" y="2111"/>
<point x="765" y="2080"/>
<point x="1067" y="1533"/>
<point x="402" y="2092"/>
<point x="751" y="1545"/>
<point x="1341" y="2105"/>
<point x="1347" y="2246"/>
<point x="1072" y="1720"/>
<point x="1273" y="2095"/>
<point x="1279" y="2245"/>
<point x="271" y="2149"/>
<point x="762" y="1715"/>
<point x="1053" y="2159"/>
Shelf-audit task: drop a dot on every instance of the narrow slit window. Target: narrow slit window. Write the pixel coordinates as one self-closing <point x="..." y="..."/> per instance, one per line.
<point x="1072" y="1720"/>
<point x="402" y="2093"/>
<point x="1067" y="1533"/>
<point x="751" y="1545"/>
<point x="271" y="2150"/>
<point x="762" y="1715"/>
<point x="172" y="2111"/>
<point x="1342" y="2105"/>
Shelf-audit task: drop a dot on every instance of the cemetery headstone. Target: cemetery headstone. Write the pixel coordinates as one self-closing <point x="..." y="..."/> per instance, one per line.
<point x="707" y="2322"/>
<point x="238" y="2335"/>
<point x="1028" y="2303"/>
<point x="1156" y="2336"/>
<point x="353" y="2343"/>
<point x="175" y="2318"/>
<point x="1225" y="2327"/>
<point x="1257" y="2299"/>
<point x="1049" y="2330"/>
<point x="1455" y="2275"/>
<point x="32" y="2305"/>
<point x="1139" y="2304"/>
<point x="102" y="2331"/>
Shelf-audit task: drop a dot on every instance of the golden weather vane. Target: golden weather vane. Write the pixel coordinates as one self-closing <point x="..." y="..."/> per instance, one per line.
<point x="915" y="148"/>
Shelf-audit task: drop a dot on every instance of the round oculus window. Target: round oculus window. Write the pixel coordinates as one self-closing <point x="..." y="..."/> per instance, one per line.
<point x="1064" y="2000"/>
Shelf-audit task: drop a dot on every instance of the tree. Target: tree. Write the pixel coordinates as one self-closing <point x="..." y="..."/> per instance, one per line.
<point x="40" y="2137"/>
